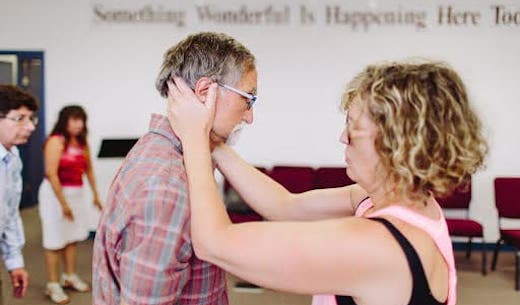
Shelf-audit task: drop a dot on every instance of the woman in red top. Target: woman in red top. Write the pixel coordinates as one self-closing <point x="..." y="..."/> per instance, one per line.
<point x="62" y="205"/>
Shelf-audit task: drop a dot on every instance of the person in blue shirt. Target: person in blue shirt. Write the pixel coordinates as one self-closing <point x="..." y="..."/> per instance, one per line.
<point x="17" y="122"/>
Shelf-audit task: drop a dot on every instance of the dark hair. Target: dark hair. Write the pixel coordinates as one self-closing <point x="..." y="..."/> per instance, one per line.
<point x="60" y="128"/>
<point x="12" y="98"/>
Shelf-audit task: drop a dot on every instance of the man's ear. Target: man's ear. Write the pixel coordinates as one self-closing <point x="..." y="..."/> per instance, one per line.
<point x="202" y="87"/>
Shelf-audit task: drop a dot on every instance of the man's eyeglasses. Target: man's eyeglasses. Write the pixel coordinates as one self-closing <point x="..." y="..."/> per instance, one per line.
<point x="251" y="98"/>
<point x="22" y="119"/>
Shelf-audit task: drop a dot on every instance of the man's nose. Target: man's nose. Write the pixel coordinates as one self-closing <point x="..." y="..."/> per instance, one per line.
<point x="30" y="126"/>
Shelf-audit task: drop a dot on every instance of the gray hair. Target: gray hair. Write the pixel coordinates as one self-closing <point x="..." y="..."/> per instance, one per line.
<point x="214" y="55"/>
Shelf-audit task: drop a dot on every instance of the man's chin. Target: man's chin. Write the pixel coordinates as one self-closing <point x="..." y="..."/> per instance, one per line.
<point x="22" y="141"/>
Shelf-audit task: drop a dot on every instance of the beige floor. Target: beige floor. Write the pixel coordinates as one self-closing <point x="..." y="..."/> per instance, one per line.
<point x="497" y="288"/>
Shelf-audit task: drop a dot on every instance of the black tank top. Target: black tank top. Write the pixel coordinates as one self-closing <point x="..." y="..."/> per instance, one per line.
<point x="421" y="294"/>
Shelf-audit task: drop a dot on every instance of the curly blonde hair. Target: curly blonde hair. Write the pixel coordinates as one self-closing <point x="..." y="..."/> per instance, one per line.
<point x="429" y="140"/>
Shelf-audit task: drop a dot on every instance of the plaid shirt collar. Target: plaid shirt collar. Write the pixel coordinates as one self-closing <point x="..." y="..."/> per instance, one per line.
<point x="159" y="124"/>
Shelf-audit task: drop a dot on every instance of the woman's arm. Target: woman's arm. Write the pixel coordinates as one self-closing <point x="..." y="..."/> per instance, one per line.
<point x="332" y="256"/>
<point x="92" y="179"/>
<point x="271" y="200"/>
<point x="52" y="153"/>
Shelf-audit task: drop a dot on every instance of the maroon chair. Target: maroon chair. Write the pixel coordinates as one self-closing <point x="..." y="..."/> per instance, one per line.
<point x="237" y="209"/>
<point x="507" y="201"/>
<point x="329" y="177"/>
<point x="296" y="179"/>
<point x="464" y="227"/>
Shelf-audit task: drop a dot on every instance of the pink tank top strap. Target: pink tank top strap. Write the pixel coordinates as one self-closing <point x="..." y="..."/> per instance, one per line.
<point x="363" y="206"/>
<point x="437" y="229"/>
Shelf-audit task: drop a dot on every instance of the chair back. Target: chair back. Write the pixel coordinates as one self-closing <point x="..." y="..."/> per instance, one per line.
<point x="507" y="197"/>
<point x="459" y="199"/>
<point x="296" y="179"/>
<point x="329" y="177"/>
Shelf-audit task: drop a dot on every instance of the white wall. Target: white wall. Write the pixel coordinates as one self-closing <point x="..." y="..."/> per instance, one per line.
<point x="110" y="68"/>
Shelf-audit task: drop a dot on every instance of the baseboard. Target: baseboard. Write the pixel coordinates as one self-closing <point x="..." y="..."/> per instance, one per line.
<point x="461" y="246"/>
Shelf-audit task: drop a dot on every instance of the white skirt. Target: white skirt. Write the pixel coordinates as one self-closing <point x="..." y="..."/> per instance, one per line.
<point x="58" y="231"/>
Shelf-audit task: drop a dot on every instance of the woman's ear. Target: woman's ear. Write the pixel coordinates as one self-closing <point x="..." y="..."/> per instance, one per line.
<point x="202" y="87"/>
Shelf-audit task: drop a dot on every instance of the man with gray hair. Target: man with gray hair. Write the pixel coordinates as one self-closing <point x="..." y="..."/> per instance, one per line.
<point x="142" y="250"/>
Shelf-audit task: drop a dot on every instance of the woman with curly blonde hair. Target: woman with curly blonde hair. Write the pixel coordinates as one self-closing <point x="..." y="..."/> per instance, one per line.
<point x="410" y="136"/>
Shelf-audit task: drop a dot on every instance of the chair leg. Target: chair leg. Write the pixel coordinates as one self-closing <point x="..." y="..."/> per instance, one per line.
<point x="484" y="260"/>
<point x="495" y="254"/>
<point x="468" y="248"/>
<point x="517" y="271"/>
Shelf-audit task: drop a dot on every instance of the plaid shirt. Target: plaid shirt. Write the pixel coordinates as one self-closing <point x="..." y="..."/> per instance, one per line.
<point x="142" y="250"/>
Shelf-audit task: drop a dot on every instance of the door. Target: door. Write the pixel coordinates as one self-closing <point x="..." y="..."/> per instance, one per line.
<point x="25" y="70"/>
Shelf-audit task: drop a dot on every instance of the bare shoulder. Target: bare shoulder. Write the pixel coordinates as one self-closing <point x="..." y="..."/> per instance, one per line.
<point x="371" y="260"/>
<point x="344" y="256"/>
<point x="55" y="142"/>
<point x="381" y="265"/>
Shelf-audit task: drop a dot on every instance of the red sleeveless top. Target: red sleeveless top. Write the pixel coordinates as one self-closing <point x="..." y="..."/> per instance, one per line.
<point x="72" y="166"/>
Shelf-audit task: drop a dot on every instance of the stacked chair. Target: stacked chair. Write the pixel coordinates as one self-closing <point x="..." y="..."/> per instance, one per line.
<point x="328" y="177"/>
<point x="296" y="179"/>
<point x="464" y="226"/>
<point x="507" y="201"/>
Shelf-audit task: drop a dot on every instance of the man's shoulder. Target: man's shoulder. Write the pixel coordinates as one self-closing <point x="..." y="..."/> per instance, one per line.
<point x="153" y="145"/>
<point x="152" y="161"/>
